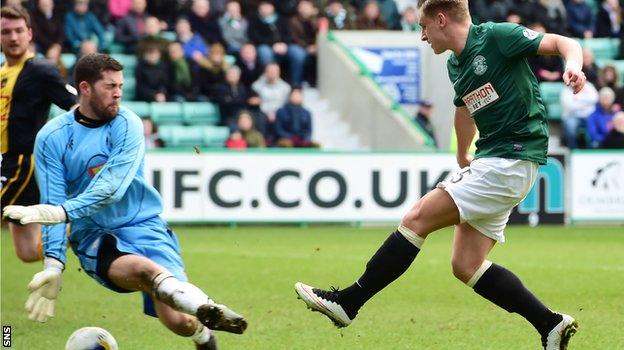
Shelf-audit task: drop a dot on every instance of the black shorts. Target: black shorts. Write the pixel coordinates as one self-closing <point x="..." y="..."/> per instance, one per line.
<point x="107" y="253"/>
<point x="19" y="186"/>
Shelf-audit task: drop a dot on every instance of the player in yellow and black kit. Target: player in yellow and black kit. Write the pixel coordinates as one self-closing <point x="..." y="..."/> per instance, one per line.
<point x="28" y="86"/>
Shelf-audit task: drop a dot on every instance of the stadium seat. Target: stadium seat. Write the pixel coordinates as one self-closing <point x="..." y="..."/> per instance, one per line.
<point x="215" y="136"/>
<point x="129" y="88"/>
<point x="169" y="35"/>
<point x="200" y="113"/>
<point x="179" y="136"/>
<point x="187" y="137"/>
<point x="230" y="60"/>
<point x="55" y="111"/>
<point x="550" y="92"/>
<point x="68" y="59"/>
<point x="128" y="61"/>
<point x="603" y="48"/>
<point x="166" y="113"/>
<point x="116" y="48"/>
<point x="139" y="107"/>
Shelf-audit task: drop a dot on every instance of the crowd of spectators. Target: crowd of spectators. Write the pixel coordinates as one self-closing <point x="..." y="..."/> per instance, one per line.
<point x="253" y="56"/>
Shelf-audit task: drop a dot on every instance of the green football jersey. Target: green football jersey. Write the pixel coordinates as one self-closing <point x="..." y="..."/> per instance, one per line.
<point x="492" y="78"/>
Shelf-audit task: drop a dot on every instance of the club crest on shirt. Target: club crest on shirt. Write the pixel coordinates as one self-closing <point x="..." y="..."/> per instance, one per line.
<point x="479" y="65"/>
<point x="95" y="169"/>
<point x="480" y="98"/>
<point x="530" y="34"/>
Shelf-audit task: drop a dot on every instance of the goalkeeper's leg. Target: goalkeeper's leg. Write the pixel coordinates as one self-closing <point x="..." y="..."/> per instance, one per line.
<point x="27" y="241"/>
<point x="138" y="273"/>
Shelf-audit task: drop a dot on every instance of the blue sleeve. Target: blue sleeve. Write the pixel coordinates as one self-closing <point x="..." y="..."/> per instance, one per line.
<point x="50" y="175"/>
<point x="112" y="181"/>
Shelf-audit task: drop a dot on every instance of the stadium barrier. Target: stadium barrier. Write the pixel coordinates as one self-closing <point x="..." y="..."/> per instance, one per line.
<point x="596" y="186"/>
<point x="299" y="186"/>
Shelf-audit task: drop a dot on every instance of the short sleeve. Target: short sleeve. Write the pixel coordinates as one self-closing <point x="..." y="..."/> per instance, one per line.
<point x="515" y="41"/>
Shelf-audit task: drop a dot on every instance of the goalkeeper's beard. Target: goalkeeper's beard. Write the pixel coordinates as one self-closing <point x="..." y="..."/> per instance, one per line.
<point x="104" y="112"/>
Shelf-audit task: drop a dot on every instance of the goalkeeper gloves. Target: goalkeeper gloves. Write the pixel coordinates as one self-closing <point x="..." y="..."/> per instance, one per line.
<point x="44" y="289"/>
<point x="40" y="214"/>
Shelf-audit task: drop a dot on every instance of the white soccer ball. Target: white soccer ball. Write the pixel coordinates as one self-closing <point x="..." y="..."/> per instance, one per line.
<point x="91" y="338"/>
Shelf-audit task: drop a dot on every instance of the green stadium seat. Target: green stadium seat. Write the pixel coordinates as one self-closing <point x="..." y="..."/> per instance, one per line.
<point x="68" y="59"/>
<point x="200" y="113"/>
<point x="55" y="111"/>
<point x="116" y="48"/>
<point x="167" y="113"/>
<point x="603" y="48"/>
<point x="179" y="136"/>
<point x="128" y="61"/>
<point x="554" y="111"/>
<point x="550" y="92"/>
<point x="187" y="137"/>
<point x="215" y="136"/>
<point x="129" y="88"/>
<point x="139" y="107"/>
<point x="230" y="60"/>
<point x="169" y="35"/>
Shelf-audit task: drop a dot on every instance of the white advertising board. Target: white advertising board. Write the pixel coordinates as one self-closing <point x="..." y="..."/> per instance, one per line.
<point x="597" y="186"/>
<point x="293" y="187"/>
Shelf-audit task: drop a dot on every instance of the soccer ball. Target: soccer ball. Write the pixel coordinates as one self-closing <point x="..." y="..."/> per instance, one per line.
<point x="91" y="338"/>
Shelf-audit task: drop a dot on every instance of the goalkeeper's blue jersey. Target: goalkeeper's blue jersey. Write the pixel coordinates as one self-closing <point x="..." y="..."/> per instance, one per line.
<point x="94" y="170"/>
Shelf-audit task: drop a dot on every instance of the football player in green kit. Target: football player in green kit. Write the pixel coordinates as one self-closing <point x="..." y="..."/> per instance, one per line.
<point x="497" y="94"/>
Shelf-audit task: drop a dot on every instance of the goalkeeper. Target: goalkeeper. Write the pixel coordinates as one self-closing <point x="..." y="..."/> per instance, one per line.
<point x="89" y="168"/>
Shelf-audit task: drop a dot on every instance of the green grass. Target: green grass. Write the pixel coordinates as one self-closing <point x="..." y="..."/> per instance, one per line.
<point x="578" y="270"/>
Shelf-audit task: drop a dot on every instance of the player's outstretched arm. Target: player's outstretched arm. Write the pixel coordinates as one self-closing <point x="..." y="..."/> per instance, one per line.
<point x="465" y="130"/>
<point x="570" y="50"/>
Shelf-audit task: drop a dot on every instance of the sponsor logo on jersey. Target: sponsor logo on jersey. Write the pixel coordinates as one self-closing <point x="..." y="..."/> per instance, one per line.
<point x="479" y="65"/>
<point x="95" y="169"/>
<point x="480" y="97"/>
<point x="530" y="34"/>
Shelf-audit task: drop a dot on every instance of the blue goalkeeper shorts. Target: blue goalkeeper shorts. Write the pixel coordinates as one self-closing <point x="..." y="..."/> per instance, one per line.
<point x="97" y="248"/>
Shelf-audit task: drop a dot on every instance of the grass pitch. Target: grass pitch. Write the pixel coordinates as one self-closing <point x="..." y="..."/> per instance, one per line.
<point x="577" y="270"/>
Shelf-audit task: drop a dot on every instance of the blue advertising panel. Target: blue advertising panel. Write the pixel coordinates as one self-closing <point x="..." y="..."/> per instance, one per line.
<point x="396" y="70"/>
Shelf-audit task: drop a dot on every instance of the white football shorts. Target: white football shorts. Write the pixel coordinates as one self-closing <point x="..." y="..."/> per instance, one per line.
<point x="486" y="191"/>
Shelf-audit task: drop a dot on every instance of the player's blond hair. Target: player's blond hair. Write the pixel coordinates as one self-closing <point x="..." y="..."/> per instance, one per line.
<point x="455" y="9"/>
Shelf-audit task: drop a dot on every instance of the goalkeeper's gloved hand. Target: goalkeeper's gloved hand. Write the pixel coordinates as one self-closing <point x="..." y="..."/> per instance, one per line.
<point x="44" y="289"/>
<point x="41" y="214"/>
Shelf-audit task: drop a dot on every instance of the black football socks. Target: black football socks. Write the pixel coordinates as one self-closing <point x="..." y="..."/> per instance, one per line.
<point x="390" y="261"/>
<point x="503" y="288"/>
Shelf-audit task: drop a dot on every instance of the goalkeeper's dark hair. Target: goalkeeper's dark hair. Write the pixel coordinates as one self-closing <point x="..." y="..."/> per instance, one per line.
<point x="89" y="68"/>
<point x="15" y="13"/>
<point x="455" y="9"/>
